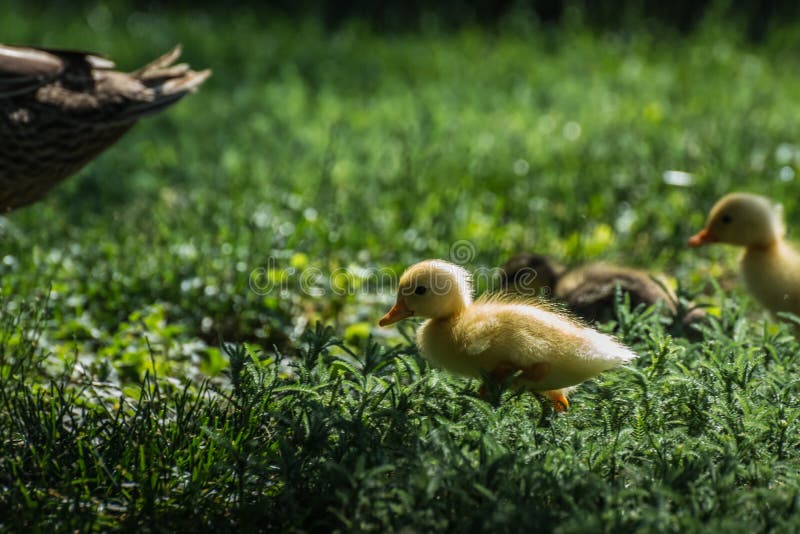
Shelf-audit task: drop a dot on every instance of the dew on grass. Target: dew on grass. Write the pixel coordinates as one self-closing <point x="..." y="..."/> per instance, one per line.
<point x="186" y="251"/>
<point x="572" y="131"/>
<point x="54" y="256"/>
<point x="758" y="159"/>
<point x="677" y="178"/>
<point x="786" y="174"/>
<point x="74" y="301"/>
<point x="521" y="167"/>
<point x="261" y="217"/>
<point x="537" y="204"/>
<point x="358" y="271"/>
<point x="286" y="229"/>
<point x="310" y="214"/>
<point x="207" y="324"/>
<point x="546" y="124"/>
<point x="190" y="283"/>
<point x="626" y="219"/>
<point x="294" y="201"/>
<point x="784" y="153"/>
<point x="211" y="291"/>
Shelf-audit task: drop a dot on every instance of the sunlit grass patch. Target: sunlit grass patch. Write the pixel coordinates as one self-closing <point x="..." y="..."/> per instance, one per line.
<point x="188" y="327"/>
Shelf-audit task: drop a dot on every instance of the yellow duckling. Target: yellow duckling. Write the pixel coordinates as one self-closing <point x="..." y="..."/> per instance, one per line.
<point x="500" y="336"/>
<point x="771" y="267"/>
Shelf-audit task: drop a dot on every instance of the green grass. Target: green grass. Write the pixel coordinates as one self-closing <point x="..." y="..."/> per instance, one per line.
<point x="344" y="150"/>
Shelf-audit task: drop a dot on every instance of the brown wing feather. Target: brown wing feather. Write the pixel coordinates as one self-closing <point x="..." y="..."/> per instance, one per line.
<point x="61" y="108"/>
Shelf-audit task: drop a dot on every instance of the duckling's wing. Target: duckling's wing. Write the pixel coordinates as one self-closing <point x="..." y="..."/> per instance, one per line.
<point x="524" y="336"/>
<point x="517" y="332"/>
<point x="481" y="335"/>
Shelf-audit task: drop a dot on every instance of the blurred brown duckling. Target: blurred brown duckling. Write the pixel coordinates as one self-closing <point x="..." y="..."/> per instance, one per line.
<point x="589" y="290"/>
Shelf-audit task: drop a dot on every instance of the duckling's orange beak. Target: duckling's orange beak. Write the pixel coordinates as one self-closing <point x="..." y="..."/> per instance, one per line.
<point x="399" y="311"/>
<point x="703" y="237"/>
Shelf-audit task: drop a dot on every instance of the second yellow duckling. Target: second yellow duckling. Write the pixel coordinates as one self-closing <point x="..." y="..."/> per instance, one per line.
<point x="770" y="266"/>
<point x="500" y="336"/>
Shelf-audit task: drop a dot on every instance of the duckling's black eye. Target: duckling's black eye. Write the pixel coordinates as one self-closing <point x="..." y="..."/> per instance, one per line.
<point x="420" y="290"/>
<point x="726" y="219"/>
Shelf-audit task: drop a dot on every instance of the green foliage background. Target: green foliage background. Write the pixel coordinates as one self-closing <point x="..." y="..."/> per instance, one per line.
<point x="346" y="149"/>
